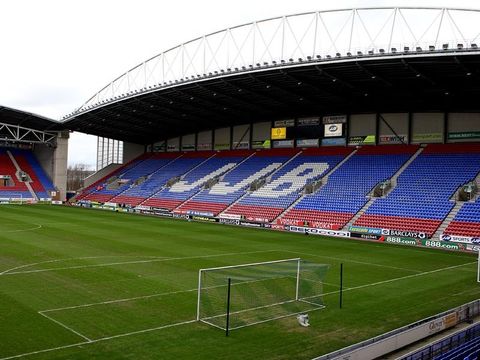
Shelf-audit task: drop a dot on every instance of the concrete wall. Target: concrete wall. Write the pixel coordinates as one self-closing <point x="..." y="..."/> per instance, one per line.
<point x="204" y="140"/>
<point x="188" y="142"/>
<point x="173" y="144"/>
<point x="132" y="151"/>
<point x="241" y="137"/>
<point x="222" y="139"/>
<point x="44" y="155"/>
<point x="60" y="163"/>
<point x="427" y="128"/>
<point x="363" y="124"/>
<point x="399" y="123"/>
<point x="100" y="174"/>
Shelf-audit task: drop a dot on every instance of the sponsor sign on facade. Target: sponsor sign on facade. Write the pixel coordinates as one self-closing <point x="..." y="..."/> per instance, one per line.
<point x="283" y="144"/>
<point x="284" y="123"/>
<point x="222" y="147"/>
<point x="250" y="224"/>
<point x="362" y="140"/>
<point x="308" y="143"/>
<point x="365" y="236"/>
<point x="188" y="147"/>
<point x="464" y="135"/>
<point x="261" y="144"/>
<point x="443" y="245"/>
<point x="404" y="233"/>
<point x="366" y="230"/>
<point x="203" y="218"/>
<point x="401" y="240"/>
<point x="231" y="216"/>
<point x="335" y="119"/>
<point x="279" y="133"/>
<point x="432" y="137"/>
<point x="314" y="231"/>
<point x="393" y="139"/>
<point x="334" y="142"/>
<point x="308" y="122"/>
<point x="229" y="221"/>
<point x="241" y="145"/>
<point x="204" y="146"/>
<point x="333" y="130"/>
<point x="460" y="239"/>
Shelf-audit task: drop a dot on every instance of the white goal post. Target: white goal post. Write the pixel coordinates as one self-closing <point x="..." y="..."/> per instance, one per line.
<point x="478" y="267"/>
<point x="236" y="296"/>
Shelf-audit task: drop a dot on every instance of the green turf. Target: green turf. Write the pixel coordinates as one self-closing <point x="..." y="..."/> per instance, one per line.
<point x="61" y="258"/>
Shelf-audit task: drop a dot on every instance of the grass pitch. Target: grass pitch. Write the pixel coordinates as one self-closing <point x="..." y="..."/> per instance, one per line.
<point x="85" y="284"/>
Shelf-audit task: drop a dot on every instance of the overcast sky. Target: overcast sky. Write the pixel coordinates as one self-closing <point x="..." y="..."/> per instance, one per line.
<point x="55" y="54"/>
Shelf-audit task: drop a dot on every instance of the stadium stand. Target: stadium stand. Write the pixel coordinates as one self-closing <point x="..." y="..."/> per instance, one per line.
<point x="38" y="179"/>
<point x="158" y="172"/>
<point x="347" y="188"/>
<point x="284" y="187"/>
<point x="234" y="184"/>
<point x="8" y="168"/>
<point x="171" y="197"/>
<point x="466" y="222"/>
<point x="421" y="200"/>
<point x="126" y="176"/>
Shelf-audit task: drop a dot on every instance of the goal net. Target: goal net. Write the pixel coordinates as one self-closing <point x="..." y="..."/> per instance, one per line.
<point x="233" y="297"/>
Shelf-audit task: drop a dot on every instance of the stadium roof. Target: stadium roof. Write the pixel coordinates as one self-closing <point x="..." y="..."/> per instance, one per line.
<point x="28" y="120"/>
<point x="342" y="61"/>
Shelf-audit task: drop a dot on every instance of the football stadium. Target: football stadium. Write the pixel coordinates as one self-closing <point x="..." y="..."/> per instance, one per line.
<point x="300" y="187"/>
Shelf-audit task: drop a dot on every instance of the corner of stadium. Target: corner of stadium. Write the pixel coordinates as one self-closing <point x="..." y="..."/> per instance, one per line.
<point x="357" y="127"/>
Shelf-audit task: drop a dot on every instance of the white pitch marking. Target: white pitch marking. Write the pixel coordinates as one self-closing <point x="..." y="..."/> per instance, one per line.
<point x="399" y="278"/>
<point x="133" y="262"/>
<point x="192" y="321"/>
<point x="119" y="300"/>
<point x="99" y="340"/>
<point x="64" y="326"/>
<point x="78" y="258"/>
<point x="37" y="226"/>
<point x="354" y="261"/>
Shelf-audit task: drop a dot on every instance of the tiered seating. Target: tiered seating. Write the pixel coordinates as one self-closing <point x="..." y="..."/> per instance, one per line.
<point x="144" y="166"/>
<point x="159" y="175"/>
<point x="467" y="221"/>
<point x="420" y="202"/>
<point x="345" y="193"/>
<point x="171" y="197"/>
<point x="40" y="183"/>
<point x="284" y="188"/>
<point x="467" y="351"/>
<point x="8" y="168"/>
<point x="235" y="183"/>
<point x="100" y="182"/>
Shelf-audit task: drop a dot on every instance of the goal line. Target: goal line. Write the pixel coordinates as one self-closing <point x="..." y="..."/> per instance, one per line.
<point x="236" y="296"/>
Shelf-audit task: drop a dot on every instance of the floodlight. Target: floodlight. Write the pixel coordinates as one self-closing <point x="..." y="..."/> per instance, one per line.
<point x="459" y="46"/>
<point x="393" y="50"/>
<point x="418" y="49"/>
<point x="431" y="48"/>
<point x="445" y="46"/>
<point x="359" y="53"/>
<point x="406" y="49"/>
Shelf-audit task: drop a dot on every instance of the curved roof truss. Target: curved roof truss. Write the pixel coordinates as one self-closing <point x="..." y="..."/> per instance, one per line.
<point x="289" y="41"/>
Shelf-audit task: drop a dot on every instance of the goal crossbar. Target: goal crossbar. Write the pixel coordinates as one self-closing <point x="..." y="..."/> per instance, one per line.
<point x="234" y="267"/>
<point x="260" y="292"/>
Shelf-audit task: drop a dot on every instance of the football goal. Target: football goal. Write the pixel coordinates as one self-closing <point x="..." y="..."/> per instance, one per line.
<point x="233" y="297"/>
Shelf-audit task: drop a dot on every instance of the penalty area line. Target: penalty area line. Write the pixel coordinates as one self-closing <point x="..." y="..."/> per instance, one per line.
<point x="158" y="259"/>
<point x="99" y="340"/>
<point x="64" y="326"/>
